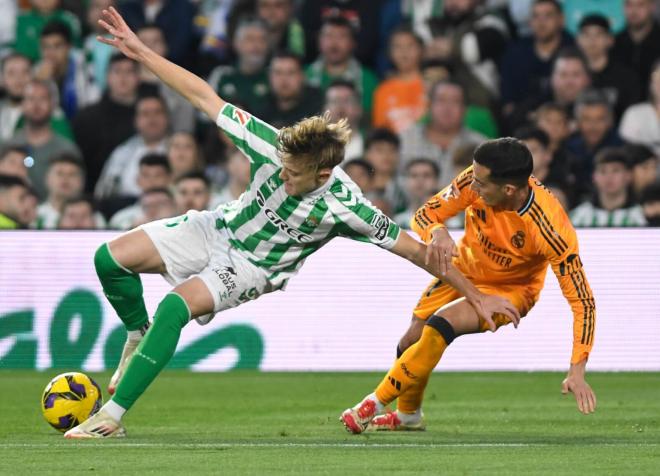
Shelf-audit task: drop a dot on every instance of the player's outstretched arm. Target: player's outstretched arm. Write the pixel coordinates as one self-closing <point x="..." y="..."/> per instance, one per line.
<point x="578" y="386"/>
<point x="484" y="304"/>
<point x="193" y="88"/>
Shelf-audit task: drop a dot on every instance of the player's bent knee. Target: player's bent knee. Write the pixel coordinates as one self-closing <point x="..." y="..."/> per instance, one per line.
<point x="104" y="262"/>
<point x="443" y="326"/>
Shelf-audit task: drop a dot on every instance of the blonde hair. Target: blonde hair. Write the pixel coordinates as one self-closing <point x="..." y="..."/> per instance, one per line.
<point x="317" y="140"/>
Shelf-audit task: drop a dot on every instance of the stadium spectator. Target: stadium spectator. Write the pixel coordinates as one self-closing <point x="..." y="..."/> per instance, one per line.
<point x="30" y="23"/>
<point x="570" y="77"/>
<point x="37" y="134"/>
<point x="638" y="46"/>
<point x="361" y="172"/>
<point x="336" y="61"/>
<point x="613" y="203"/>
<point x="153" y="173"/>
<point x="120" y="173"/>
<point x="400" y="100"/>
<point x="181" y="112"/>
<point x="651" y="204"/>
<point x="362" y="16"/>
<point x="246" y="82"/>
<point x="15" y="75"/>
<point x="641" y="122"/>
<point x="644" y="167"/>
<point x="421" y="183"/>
<point x="100" y="127"/>
<point x="66" y="67"/>
<point x="617" y="81"/>
<point x="289" y="99"/>
<point x="155" y="204"/>
<point x="471" y="40"/>
<point x="173" y="17"/>
<point x="555" y="174"/>
<point x="14" y="200"/>
<point x="183" y="155"/>
<point x="12" y="161"/>
<point x="79" y="213"/>
<point x="238" y="171"/>
<point x="382" y="152"/>
<point x="285" y="32"/>
<point x="576" y="10"/>
<point x="594" y="132"/>
<point x="97" y="54"/>
<point x="444" y="133"/>
<point x="526" y="65"/>
<point x="342" y="100"/>
<point x="192" y="191"/>
<point x="64" y="179"/>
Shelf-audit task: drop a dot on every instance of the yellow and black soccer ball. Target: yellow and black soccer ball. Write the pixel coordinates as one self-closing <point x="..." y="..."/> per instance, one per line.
<point x="70" y="399"/>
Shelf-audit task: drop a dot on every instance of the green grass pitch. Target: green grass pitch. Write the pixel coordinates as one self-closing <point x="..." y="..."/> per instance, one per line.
<point x="287" y="423"/>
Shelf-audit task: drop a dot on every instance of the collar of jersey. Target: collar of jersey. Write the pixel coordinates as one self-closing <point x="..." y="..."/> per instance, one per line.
<point x="322" y="189"/>
<point x="528" y="203"/>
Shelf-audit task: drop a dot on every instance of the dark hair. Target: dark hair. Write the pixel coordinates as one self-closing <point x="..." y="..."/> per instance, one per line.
<point x="118" y="58"/>
<point x="366" y="166"/>
<point x="405" y="29"/>
<point x="340" y="22"/>
<point x="592" y="97"/>
<point x="163" y="190"/>
<point x="382" y="135"/>
<point x="638" y="153"/>
<point x="446" y="82"/>
<point x="551" y="106"/>
<point x="12" y="56"/>
<point x="554" y="3"/>
<point x="9" y="181"/>
<point x="595" y="19"/>
<point x="651" y="193"/>
<point x="571" y="52"/>
<point x="287" y="54"/>
<point x="610" y="155"/>
<point x="508" y="159"/>
<point x="344" y="83"/>
<point x="66" y="158"/>
<point x="151" y="95"/>
<point x="533" y="133"/>
<point x="57" y="27"/>
<point x="424" y="161"/>
<point x="194" y="175"/>
<point x="5" y="150"/>
<point x="156" y="160"/>
<point x="79" y="199"/>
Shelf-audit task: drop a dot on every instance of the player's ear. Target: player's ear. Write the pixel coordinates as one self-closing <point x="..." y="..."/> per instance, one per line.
<point x="324" y="174"/>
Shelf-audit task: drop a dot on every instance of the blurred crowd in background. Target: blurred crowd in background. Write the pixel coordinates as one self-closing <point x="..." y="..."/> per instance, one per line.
<point x="89" y="139"/>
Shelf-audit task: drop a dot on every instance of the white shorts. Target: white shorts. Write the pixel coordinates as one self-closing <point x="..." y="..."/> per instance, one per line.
<point x="197" y="245"/>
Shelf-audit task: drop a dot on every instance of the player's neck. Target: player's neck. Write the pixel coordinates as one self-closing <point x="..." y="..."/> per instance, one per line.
<point x="518" y="200"/>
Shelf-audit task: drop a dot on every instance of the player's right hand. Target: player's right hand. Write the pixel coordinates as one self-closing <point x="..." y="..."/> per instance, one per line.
<point x="441" y="250"/>
<point x="123" y="37"/>
<point x="487" y="305"/>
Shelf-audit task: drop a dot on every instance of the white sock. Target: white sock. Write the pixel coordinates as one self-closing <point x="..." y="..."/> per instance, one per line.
<point x="408" y="418"/>
<point x="114" y="410"/>
<point x="135" y="335"/>
<point x="379" y="406"/>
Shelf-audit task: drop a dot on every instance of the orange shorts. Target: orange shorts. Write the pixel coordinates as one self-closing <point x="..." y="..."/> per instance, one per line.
<point x="439" y="294"/>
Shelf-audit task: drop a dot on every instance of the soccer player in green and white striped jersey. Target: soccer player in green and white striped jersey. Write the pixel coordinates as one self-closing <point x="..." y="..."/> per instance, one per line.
<point x="298" y="200"/>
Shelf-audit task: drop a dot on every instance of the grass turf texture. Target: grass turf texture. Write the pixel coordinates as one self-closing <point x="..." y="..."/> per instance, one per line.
<point x="287" y="423"/>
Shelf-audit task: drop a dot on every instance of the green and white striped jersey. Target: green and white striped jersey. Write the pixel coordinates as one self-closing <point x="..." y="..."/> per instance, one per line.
<point x="276" y="231"/>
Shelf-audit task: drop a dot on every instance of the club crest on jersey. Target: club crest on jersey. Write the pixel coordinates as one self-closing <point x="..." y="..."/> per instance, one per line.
<point x="241" y="116"/>
<point x="311" y="222"/>
<point x="270" y="183"/>
<point x="518" y="239"/>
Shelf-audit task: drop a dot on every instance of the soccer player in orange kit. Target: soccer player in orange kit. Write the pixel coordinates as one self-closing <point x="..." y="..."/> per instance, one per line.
<point x="514" y="228"/>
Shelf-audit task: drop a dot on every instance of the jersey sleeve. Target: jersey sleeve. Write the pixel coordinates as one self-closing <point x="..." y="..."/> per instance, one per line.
<point x="254" y="137"/>
<point x="356" y="218"/>
<point x="557" y="241"/>
<point x="451" y="200"/>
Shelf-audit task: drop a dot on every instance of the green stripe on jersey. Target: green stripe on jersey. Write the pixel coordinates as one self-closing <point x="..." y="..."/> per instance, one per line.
<point x="254" y="125"/>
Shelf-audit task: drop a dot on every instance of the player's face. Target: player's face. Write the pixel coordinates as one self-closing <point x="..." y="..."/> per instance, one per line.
<point x="78" y="216"/>
<point x="64" y="180"/>
<point x="490" y="192"/>
<point x="299" y="178"/>
<point x="191" y="194"/>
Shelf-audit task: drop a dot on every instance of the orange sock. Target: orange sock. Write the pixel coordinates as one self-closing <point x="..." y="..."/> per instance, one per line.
<point x="411" y="400"/>
<point x="414" y="367"/>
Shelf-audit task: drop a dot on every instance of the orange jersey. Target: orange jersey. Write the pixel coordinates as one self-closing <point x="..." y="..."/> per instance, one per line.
<point x="515" y="247"/>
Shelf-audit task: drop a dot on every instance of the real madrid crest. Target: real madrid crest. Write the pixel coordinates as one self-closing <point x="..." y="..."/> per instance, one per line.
<point x="518" y="239"/>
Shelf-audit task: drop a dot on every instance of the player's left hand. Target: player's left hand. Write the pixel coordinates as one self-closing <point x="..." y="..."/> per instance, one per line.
<point x="584" y="395"/>
<point x="486" y="305"/>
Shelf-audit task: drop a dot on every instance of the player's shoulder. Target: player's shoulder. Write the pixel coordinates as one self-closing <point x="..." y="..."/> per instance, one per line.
<point x="464" y="178"/>
<point x="546" y="217"/>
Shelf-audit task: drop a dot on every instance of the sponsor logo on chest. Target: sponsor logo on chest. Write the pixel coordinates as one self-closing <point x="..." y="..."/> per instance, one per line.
<point x="280" y="223"/>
